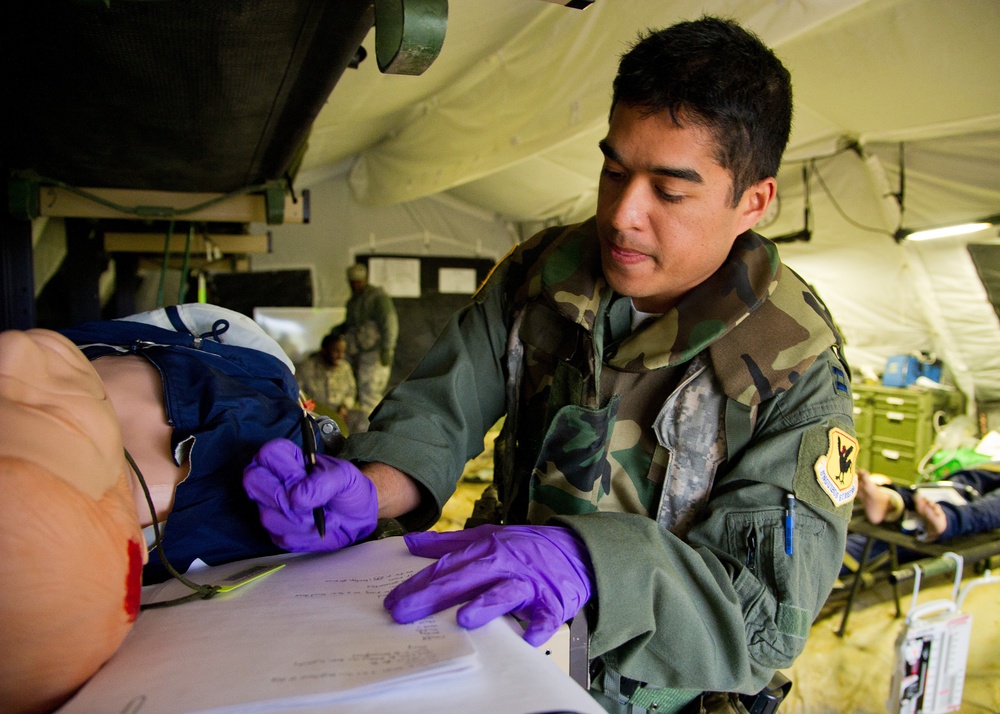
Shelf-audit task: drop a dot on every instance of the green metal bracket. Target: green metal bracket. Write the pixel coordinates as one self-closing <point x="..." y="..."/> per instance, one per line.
<point x="23" y="198"/>
<point x="274" y="203"/>
<point x="409" y="34"/>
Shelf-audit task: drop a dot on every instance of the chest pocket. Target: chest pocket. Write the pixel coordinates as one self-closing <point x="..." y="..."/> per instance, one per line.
<point x="572" y="471"/>
<point x="553" y="350"/>
<point x="554" y="372"/>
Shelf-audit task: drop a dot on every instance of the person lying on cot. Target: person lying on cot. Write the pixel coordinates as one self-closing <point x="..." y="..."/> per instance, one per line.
<point x="967" y="502"/>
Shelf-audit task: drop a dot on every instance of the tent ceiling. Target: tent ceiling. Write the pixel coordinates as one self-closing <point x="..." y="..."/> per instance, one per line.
<point x="185" y="95"/>
<point x="216" y="96"/>
<point x="509" y="115"/>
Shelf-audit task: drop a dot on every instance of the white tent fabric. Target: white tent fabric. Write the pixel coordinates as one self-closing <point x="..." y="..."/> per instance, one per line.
<point x="507" y="119"/>
<point x="341" y="228"/>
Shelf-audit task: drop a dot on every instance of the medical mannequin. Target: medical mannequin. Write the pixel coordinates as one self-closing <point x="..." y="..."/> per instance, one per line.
<point x="136" y="392"/>
<point x="197" y="390"/>
<point x="71" y="543"/>
<point x="191" y="392"/>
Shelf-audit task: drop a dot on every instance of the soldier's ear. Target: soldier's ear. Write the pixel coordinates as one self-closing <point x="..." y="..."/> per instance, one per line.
<point x="754" y="202"/>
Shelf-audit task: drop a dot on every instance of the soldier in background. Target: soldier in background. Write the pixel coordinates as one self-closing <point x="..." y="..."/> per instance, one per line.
<point x="371" y="329"/>
<point x="676" y="463"/>
<point x="327" y="379"/>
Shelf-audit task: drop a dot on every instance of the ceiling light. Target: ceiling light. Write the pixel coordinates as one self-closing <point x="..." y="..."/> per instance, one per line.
<point x="954" y="230"/>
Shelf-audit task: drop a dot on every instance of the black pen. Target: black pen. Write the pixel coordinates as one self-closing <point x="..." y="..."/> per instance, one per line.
<point x="789" y="522"/>
<point x="309" y="454"/>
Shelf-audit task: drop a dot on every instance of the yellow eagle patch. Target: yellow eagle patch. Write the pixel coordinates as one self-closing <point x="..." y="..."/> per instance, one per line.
<point x="835" y="470"/>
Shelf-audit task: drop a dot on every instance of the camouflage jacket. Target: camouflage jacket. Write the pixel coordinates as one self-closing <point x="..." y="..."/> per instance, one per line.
<point x="601" y="417"/>
<point x="371" y="324"/>
<point x="669" y="450"/>
<point x="333" y="386"/>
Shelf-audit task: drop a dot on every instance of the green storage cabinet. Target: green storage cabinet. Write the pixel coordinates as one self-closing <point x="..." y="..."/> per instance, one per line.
<point x="863" y="417"/>
<point x="895" y="427"/>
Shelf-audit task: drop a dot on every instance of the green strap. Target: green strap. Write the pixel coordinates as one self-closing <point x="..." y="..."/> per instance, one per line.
<point x="662" y="701"/>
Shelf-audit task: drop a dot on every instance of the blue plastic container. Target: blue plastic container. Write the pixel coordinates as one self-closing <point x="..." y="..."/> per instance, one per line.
<point x="901" y="371"/>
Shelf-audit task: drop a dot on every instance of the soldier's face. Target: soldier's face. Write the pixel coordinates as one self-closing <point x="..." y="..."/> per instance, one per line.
<point x="664" y="215"/>
<point x="336" y="352"/>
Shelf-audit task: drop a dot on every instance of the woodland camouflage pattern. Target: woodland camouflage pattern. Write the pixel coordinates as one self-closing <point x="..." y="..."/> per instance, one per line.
<point x="748" y="332"/>
<point x="371" y="329"/>
<point x="333" y="386"/>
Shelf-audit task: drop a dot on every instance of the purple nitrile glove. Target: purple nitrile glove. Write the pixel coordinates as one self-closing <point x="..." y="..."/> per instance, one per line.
<point x="541" y="574"/>
<point x="276" y="480"/>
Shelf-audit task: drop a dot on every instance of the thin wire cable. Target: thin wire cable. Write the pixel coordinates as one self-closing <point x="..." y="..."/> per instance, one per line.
<point x="163" y="268"/>
<point x="201" y="592"/>
<point x="185" y="266"/>
<point x="843" y="214"/>
<point x="152" y="211"/>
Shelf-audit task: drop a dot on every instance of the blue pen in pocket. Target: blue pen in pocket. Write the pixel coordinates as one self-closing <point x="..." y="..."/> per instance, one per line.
<point x="789" y="522"/>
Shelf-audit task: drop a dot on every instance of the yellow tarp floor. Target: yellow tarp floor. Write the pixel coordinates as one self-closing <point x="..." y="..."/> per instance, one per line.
<point x="851" y="674"/>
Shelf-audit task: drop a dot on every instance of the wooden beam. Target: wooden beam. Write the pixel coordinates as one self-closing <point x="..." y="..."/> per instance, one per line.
<point x="153" y="243"/>
<point x="225" y="265"/>
<point x="243" y="208"/>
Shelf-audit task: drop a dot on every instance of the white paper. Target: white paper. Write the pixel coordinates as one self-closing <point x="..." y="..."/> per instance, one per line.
<point x="399" y="277"/>
<point x="513" y="678"/>
<point x="457" y="281"/>
<point x="311" y="632"/>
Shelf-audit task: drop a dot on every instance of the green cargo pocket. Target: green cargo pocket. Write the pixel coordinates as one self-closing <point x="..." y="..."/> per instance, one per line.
<point x="777" y="623"/>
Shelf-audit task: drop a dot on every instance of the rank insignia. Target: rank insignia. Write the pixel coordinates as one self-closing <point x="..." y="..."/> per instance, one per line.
<point x="835" y="471"/>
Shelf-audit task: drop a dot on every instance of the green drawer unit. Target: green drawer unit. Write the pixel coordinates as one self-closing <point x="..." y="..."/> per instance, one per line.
<point x="897" y="461"/>
<point x="897" y="426"/>
<point x="864" y="417"/>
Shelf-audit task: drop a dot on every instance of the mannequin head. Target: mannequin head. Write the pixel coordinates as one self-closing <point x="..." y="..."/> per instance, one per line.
<point x="70" y="539"/>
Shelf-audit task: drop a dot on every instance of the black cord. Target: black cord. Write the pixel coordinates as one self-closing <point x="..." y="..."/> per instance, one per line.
<point x="182" y="289"/>
<point x="163" y="267"/>
<point x="843" y="214"/>
<point x="829" y="194"/>
<point x="201" y="592"/>
<point x="151" y="211"/>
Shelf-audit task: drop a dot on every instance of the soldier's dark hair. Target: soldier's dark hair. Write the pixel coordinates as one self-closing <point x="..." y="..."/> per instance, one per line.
<point x="331" y="338"/>
<point x="719" y="75"/>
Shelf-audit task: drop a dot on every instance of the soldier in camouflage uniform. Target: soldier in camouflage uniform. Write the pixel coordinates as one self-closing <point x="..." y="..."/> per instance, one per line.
<point x="326" y="377"/>
<point x="371" y="329"/>
<point x="670" y="391"/>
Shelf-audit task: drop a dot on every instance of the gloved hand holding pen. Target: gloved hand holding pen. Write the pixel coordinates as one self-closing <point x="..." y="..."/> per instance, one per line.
<point x="285" y="494"/>
<point x="541" y="574"/>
